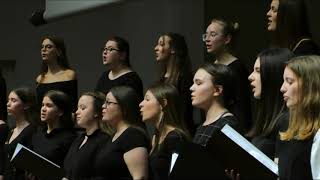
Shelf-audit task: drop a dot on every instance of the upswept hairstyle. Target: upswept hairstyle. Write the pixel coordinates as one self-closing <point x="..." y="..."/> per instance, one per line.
<point x="304" y="120"/>
<point x="270" y="104"/>
<point x="123" y="46"/>
<point x="179" y="64"/>
<point x="168" y="97"/>
<point x="128" y="100"/>
<point x="221" y="75"/>
<point x="28" y="97"/>
<point x="62" y="59"/>
<point x="228" y="29"/>
<point x="292" y="23"/>
<point x="63" y="102"/>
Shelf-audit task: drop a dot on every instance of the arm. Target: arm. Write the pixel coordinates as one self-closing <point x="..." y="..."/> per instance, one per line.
<point x="137" y="162"/>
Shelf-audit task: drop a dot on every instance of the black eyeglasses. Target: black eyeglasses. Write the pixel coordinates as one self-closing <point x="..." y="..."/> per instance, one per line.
<point x="108" y="103"/>
<point x="110" y="49"/>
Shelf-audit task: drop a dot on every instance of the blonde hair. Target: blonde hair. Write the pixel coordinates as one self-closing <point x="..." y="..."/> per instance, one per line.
<point x="304" y="120"/>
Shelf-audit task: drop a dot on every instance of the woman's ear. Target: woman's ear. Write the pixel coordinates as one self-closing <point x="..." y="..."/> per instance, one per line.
<point x="163" y="103"/>
<point x="218" y="90"/>
<point x="228" y="39"/>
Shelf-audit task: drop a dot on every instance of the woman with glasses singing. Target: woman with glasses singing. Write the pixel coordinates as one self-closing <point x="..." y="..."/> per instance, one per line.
<point x="219" y="37"/>
<point x="56" y="73"/>
<point x="125" y="154"/>
<point x="115" y="56"/>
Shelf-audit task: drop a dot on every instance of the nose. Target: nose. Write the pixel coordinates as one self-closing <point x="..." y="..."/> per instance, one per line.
<point x="156" y="48"/>
<point x="141" y="104"/>
<point x="104" y="105"/>
<point x="77" y="112"/>
<point x="269" y="13"/>
<point x="191" y="88"/>
<point x="283" y="89"/>
<point x="250" y="77"/>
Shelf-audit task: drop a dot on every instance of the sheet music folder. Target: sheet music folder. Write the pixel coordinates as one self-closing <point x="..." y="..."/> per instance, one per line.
<point x="35" y="164"/>
<point x="236" y="152"/>
<point x="227" y="149"/>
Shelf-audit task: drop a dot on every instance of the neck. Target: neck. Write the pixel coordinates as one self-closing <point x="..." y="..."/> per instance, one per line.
<point x="225" y="58"/>
<point x="157" y="120"/>
<point x="118" y="69"/>
<point x="121" y="126"/>
<point x="21" y="122"/>
<point x="90" y="130"/>
<point x="213" y="112"/>
<point x="53" y="67"/>
<point x="168" y="68"/>
<point x="52" y="125"/>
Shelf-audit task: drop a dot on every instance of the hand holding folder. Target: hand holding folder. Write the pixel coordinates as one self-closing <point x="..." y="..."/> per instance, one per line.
<point x="238" y="154"/>
<point x="35" y="164"/>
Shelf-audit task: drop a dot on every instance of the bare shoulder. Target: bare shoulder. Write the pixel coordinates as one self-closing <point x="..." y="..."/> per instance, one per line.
<point x="38" y="79"/>
<point x="70" y="74"/>
<point x="2" y="122"/>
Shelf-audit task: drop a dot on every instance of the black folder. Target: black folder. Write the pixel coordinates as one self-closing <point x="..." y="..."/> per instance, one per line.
<point x="250" y="163"/>
<point x="195" y="162"/>
<point x="26" y="159"/>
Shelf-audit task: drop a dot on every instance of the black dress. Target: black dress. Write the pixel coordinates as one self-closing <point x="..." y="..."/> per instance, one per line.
<point x="68" y="87"/>
<point x="242" y="105"/>
<point x="78" y="162"/>
<point x="23" y="138"/>
<point x="55" y="145"/>
<point x="306" y="47"/>
<point x="205" y="132"/>
<point x="109" y="162"/>
<point x="3" y="99"/>
<point x="130" y="79"/>
<point x="267" y="144"/>
<point x="294" y="159"/>
<point x="160" y="159"/>
<point x="4" y="129"/>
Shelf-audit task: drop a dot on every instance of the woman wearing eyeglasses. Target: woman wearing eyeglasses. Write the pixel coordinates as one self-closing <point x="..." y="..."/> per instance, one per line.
<point x="56" y="73"/>
<point x="125" y="154"/>
<point x="219" y="37"/>
<point x="115" y="56"/>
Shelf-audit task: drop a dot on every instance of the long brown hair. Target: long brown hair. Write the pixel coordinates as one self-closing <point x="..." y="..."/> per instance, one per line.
<point x="304" y="120"/>
<point x="168" y="97"/>
<point x="179" y="64"/>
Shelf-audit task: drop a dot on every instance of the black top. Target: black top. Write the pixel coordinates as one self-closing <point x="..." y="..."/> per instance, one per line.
<point x="4" y="129"/>
<point x="242" y="105"/>
<point x="23" y="138"/>
<point x="294" y="159"/>
<point x="183" y="87"/>
<point x="130" y="79"/>
<point x="68" y="87"/>
<point x="160" y="159"/>
<point x="267" y="144"/>
<point x="3" y="99"/>
<point x="109" y="162"/>
<point x="78" y="162"/>
<point x="307" y="47"/>
<point x="55" y="145"/>
<point x="205" y="132"/>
